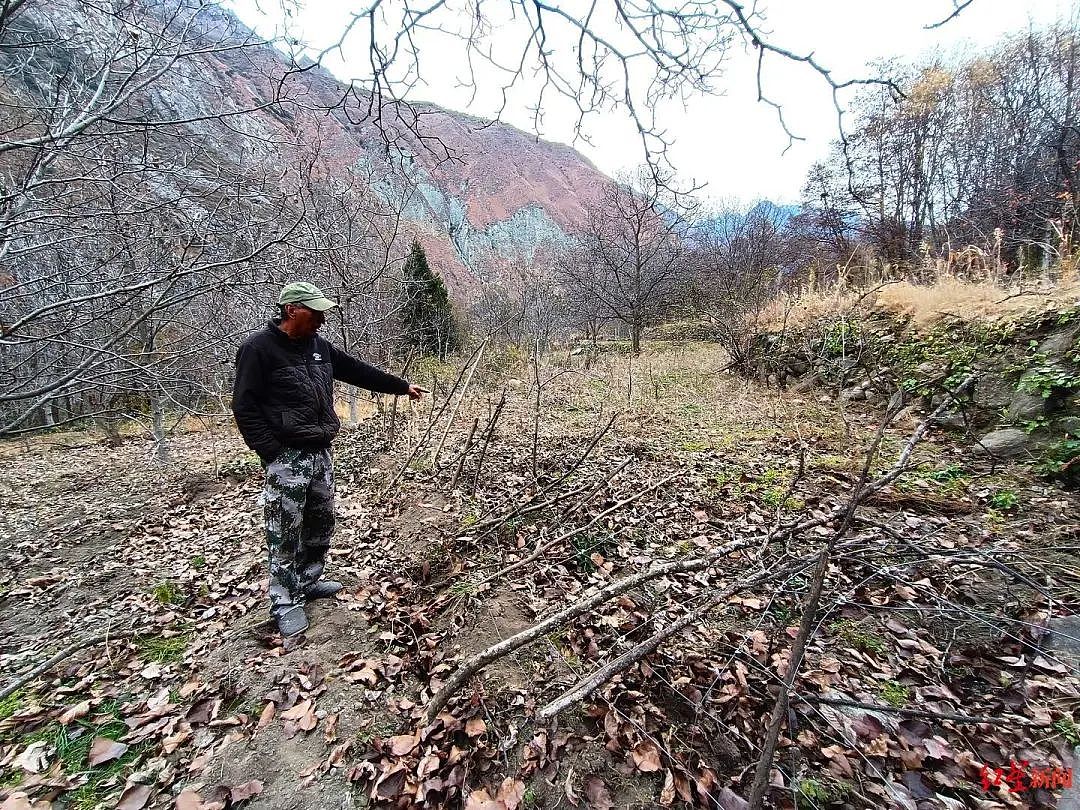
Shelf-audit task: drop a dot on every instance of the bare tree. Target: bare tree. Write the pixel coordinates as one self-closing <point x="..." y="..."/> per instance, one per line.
<point x="739" y="262"/>
<point x="631" y="258"/>
<point x="981" y="153"/>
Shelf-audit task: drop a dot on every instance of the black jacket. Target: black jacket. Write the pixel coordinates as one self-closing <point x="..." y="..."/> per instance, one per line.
<point x="284" y="390"/>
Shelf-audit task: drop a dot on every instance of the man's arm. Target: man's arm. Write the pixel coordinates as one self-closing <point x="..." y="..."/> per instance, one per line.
<point x="247" y="394"/>
<point x="350" y="370"/>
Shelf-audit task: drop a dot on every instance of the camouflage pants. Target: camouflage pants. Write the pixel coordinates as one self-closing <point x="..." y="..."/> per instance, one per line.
<point x="299" y="500"/>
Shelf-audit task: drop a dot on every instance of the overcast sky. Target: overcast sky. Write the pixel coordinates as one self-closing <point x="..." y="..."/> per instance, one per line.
<point x="729" y="141"/>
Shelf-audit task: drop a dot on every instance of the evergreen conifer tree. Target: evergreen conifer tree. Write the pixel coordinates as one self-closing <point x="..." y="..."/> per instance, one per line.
<point x="429" y="318"/>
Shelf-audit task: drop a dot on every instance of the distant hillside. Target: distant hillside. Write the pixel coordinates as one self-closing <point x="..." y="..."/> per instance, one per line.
<point x="486" y="192"/>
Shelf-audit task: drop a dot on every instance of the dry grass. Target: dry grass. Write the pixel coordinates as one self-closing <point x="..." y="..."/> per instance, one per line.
<point x="968" y="301"/>
<point x="923" y="305"/>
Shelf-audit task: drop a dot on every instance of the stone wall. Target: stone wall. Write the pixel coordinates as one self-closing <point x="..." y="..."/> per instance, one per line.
<point x="1025" y="401"/>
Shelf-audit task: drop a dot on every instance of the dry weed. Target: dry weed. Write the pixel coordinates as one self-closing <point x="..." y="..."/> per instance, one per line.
<point x="923" y="305"/>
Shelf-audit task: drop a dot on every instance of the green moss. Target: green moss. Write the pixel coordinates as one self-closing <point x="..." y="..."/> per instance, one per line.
<point x="856" y="636"/>
<point x="462" y="587"/>
<point x="693" y="446"/>
<point x="894" y="693"/>
<point x="832" y="462"/>
<point x="12" y="703"/>
<point x="818" y="793"/>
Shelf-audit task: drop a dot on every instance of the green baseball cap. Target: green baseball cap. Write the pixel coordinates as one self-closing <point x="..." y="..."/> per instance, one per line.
<point x="300" y="292"/>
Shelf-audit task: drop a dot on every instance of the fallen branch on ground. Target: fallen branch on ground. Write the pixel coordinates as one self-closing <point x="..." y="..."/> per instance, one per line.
<point x="21" y="681"/>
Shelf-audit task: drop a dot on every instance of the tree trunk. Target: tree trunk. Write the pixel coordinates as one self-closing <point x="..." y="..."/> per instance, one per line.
<point x="161" y="445"/>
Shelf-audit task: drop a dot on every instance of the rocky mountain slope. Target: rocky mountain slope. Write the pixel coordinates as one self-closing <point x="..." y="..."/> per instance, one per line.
<point x="485" y="192"/>
<point x="478" y="194"/>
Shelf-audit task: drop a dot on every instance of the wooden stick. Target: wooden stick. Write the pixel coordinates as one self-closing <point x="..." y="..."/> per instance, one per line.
<point x="862" y="489"/>
<point x="905" y="712"/>
<point x="488" y="433"/>
<point x="475" y="663"/>
<point x="60" y="656"/>
<point x="464" y="453"/>
<point x="542" y="547"/>
<point x="461" y="398"/>
<point x="431" y="423"/>
<point x="586" y="686"/>
<point x="532" y="504"/>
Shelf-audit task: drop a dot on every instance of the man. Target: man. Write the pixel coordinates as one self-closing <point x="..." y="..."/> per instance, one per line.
<point x="283" y="401"/>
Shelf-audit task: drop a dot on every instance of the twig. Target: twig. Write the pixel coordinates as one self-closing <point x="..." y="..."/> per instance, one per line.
<point x="461" y="398"/>
<point x="434" y="418"/>
<point x="475" y="663"/>
<point x="536" y="408"/>
<point x="586" y="686"/>
<point x="488" y="433"/>
<point x="806" y="625"/>
<point x="464" y="453"/>
<point x="903" y="712"/>
<point x="532" y="505"/>
<point x="60" y="656"/>
<point x="592" y="493"/>
<point x="393" y="404"/>
<point x="542" y="547"/>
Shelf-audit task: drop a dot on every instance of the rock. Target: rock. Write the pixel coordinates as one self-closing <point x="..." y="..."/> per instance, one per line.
<point x="1004" y="443"/>
<point x="853" y="394"/>
<point x="1060" y="342"/>
<point x="992" y="392"/>
<point x="805" y="384"/>
<point x="1070" y="425"/>
<point x="1024" y="407"/>
<point x="955" y="421"/>
<point x="796" y="368"/>
<point x="927" y="369"/>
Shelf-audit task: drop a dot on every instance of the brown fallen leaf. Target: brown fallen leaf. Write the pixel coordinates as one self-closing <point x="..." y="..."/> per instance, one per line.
<point x="403" y="744"/>
<point x="597" y="794"/>
<point x="729" y="800"/>
<point x="481" y="800"/>
<point x="102" y="749"/>
<point x="330" y="729"/>
<point x="475" y="726"/>
<point x="245" y="791"/>
<point x="667" y="792"/>
<point x="389" y="785"/>
<point x="188" y="800"/>
<point x="309" y="720"/>
<point x="134" y="797"/>
<point x="364" y="675"/>
<point x="298" y="711"/>
<point x="267" y="715"/>
<point x="646" y="757"/>
<point x="511" y="792"/>
<point x="16" y="801"/>
<point x="73" y="713"/>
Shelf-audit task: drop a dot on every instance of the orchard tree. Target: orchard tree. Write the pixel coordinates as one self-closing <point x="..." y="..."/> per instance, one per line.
<point x="631" y="258"/>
